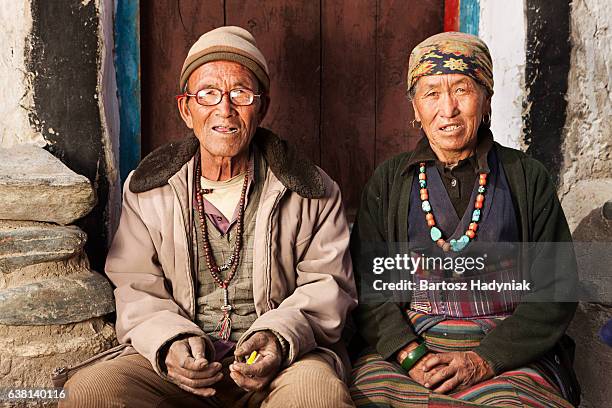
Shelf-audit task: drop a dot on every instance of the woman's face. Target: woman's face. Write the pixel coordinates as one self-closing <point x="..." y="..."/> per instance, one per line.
<point x="450" y="108"/>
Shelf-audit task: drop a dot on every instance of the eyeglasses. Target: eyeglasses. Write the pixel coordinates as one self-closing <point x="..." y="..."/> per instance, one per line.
<point x="212" y="96"/>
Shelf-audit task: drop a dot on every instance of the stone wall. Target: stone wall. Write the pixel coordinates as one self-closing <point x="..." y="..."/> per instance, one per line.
<point x="51" y="302"/>
<point x="586" y="184"/>
<point x="59" y="92"/>
<point x="587" y="143"/>
<point x="56" y="204"/>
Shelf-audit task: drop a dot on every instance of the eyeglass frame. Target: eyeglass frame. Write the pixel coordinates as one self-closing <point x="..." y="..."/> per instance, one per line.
<point x="186" y="94"/>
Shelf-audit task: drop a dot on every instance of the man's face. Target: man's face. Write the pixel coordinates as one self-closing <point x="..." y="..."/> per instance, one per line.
<point x="224" y="130"/>
<point x="450" y="108"/>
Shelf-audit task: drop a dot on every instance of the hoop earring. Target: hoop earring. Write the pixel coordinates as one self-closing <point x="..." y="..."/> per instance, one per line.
<point x="415" y="121"/>
<point x="486" y="121"/>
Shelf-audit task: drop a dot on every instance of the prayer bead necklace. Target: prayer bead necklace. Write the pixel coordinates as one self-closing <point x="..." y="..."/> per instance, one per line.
<point x="225" y="323"/>
<point x="435" y="233"/>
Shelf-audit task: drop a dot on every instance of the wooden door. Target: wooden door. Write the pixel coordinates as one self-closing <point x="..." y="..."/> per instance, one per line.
<point x="337" y="68"/>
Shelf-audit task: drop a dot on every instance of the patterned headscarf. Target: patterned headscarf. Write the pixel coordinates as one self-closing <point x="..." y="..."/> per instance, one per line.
<point x="452" y="53"/>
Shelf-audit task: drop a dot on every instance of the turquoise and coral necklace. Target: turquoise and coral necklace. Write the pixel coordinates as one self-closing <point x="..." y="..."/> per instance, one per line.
<point x="454" y="245"/>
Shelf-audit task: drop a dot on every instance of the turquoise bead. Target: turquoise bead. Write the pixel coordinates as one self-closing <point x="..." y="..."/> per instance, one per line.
<point x="422" y="183"/>
<point x="476" y="215"/>
<point x="458" y="245"/>
<point x="435" y="233"/>
<point x="481" y="189"/>
<point x="426" y="206"/>
<point x="421" y="169"/>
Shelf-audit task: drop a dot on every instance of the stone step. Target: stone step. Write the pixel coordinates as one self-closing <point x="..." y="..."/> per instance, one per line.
<point x="60" y="300"/>
<point x="29" y="354"/>
<point x="35" y="185"/>
<point x="593" y="357"/>
<point x="32" y="243"/>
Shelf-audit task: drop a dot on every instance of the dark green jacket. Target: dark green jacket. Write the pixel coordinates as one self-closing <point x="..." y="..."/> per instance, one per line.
<point x="533" y="328"/>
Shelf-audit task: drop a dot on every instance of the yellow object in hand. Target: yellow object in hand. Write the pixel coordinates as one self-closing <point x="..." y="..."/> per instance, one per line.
<point x="252" y="358"/>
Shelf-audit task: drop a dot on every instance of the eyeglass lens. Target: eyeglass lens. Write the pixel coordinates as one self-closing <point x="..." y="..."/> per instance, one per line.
<point x="212" y="96"/>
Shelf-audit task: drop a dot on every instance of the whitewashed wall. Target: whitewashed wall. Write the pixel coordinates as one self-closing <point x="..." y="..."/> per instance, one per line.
<point x="15" y="91"/>
<point x="502" y="27"/>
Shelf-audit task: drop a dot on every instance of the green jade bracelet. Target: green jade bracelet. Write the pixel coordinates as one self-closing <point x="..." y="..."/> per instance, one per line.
<point x="414" y="356"/>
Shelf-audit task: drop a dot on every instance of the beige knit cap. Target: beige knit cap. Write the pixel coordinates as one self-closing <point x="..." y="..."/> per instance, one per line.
<point x="228" y="43"/>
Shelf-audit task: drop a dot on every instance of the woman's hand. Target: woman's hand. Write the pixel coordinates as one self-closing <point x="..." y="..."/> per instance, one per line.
<point x="455" y="371"/>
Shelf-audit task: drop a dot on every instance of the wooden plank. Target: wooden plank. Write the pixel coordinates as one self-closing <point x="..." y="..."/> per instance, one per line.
<point x="168" y="29"/>
<point x="287" y="32"/>
<point x="451" y="15"/>
<point x="469" y="16"/>
<point x="127" y="51"/>
<point x="401" y="26"/>
<point x="348" y="95"/>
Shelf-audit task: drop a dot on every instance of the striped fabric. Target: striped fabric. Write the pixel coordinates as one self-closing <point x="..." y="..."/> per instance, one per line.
<point x="470" y="302"/>
<point x="380" y="383"/>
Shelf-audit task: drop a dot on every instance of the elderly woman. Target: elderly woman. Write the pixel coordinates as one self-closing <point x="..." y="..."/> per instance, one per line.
<point x="459" y="188"/>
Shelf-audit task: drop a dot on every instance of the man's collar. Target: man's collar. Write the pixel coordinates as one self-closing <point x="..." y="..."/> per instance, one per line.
<point x="424" y="153"/>
<point x="292" y="169"/>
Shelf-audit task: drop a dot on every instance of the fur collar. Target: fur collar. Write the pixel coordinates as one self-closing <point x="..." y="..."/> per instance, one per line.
<point x="293" y="170"/>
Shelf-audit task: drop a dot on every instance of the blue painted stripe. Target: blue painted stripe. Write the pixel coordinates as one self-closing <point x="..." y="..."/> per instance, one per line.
<point x="469" y="16"/>
<point x="127" y="65"/>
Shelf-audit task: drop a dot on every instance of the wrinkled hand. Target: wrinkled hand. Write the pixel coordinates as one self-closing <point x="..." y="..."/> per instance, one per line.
<point x="256" y="376"/>
<point x="188" y="368"/>
<point x="416" y="372"/>
<point x="455" y="371"/>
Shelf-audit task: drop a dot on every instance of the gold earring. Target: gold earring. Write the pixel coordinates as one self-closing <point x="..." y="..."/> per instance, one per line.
<point x="415" y="121"/>
<point x="486" y="121"/>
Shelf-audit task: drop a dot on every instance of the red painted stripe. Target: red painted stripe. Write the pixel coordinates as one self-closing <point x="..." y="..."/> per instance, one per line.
<point x="451" y="15"/>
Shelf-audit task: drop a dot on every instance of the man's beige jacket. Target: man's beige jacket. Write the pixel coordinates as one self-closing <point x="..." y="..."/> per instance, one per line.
<point x="303" y="283"/>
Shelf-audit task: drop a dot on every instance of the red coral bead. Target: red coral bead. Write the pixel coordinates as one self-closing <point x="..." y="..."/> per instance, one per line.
<point x="473" y="226"/>
<point x="429" y="216"/>
<point x="470" y="234"/>
<point x="431" y="223"/>
<point x="422" y="176"/>
<point x="478" y="204"/>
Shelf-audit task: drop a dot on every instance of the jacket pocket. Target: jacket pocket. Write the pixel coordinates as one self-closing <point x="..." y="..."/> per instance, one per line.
<point x="62" y="374"/>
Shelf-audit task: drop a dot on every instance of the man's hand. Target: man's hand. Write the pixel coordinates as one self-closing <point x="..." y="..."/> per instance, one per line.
<point x="256" y="376"/>
<point x="455" y="371"/>
<point x="416" y="372"/>
<point x="188" y="368"/>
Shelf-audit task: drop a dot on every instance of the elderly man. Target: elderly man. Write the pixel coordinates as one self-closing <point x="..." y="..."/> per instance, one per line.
<point x="231" y="264"/>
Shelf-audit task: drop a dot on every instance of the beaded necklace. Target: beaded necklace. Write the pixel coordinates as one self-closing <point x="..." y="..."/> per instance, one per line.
<point x="455" y="245"/>
<point x="225" y="323"/>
